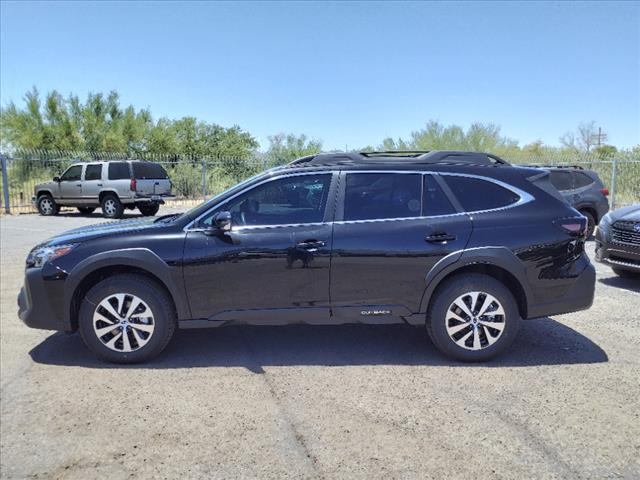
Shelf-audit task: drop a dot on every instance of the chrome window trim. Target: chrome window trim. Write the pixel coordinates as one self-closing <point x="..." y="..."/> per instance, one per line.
<point x="524" y="198"/>
<point x="262" y="182"/>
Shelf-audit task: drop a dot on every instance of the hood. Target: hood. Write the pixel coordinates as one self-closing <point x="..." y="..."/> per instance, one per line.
<point x="630" y="213"/>
<point x="90" y="232"/>
<point x="48" y="184"/>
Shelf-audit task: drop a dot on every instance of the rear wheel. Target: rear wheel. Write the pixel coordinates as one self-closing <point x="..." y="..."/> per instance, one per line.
<point x="112" y="206"/>
<point x="472" y="318"/>
<point x="86" y="210"/>
<point x="47" y="205"/>
<point x="127" y="319"/>
<point x="591" y="222"/>
<point x="149" y="210"/>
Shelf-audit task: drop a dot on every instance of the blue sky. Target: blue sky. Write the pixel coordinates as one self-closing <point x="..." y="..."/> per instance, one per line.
<point x="347" y="73"/>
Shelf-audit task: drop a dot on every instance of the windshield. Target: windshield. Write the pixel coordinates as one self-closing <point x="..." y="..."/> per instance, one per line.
<point x="224" y="193"/>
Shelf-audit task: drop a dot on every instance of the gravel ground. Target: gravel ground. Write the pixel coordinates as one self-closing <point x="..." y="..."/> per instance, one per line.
<point x="321" y="402"/>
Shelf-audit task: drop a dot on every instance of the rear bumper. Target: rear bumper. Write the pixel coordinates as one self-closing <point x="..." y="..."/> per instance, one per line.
<point x="35" y="308"/>
<point x="155" y="199"/>
<point x="579" y="296"/>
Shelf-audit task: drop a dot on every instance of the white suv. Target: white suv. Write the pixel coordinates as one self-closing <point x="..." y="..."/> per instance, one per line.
<point x="113" y="186"/>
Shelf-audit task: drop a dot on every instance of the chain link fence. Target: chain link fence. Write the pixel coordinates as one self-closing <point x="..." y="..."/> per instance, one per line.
<point x="195" y="178"/>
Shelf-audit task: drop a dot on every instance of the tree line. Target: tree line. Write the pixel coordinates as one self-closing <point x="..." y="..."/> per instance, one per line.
<point x="101" y="124"/>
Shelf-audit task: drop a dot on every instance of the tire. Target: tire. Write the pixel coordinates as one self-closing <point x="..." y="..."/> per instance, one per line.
<point x="621" y="272"/>
<point x="492" y="341"/>
<point x="86" y="210"/>
<point x="591" y="223"/>
<point x="149" y="210"/>
<point x="112" y="206"/>
<point x="155" y="313"/>
<point x="47" y="206"/>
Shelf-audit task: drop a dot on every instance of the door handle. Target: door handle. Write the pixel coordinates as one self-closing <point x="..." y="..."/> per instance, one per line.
<point x="99" y="184"/>
<point x="311" y="244"/>
<point x="440" y="237"/>
<point x="78" y="184"/>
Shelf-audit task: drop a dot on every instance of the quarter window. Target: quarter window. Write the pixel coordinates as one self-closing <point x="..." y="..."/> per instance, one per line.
<point x="561" y="180"/>
<point x="285" y="201"/>
<point x="72" y="174"/>
<point x="582" y="179"/>
<point x="475" y="194"/>
<point x="93" y="172"/>
<point x="382" y="195"/>
<point x="119" y="171"/>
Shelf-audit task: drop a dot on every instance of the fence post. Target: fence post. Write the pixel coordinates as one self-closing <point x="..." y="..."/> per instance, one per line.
<point x="204" y="179"/>
<point x="612" y="190"/>
<point x="5" y="184"/>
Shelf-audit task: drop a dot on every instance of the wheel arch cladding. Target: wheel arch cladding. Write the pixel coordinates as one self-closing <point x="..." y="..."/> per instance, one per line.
<point x="497" y="262"/>
<point x="133" y="261"/>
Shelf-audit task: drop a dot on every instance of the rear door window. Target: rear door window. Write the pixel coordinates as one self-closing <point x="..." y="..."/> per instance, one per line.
<point x="561" y="180"/>
<point x="148" y="170"/>
<point x="475" y="194"/>
<point x="93" y="172"/>
<point x="119" y="171"/>
<point x="371" y="196"/>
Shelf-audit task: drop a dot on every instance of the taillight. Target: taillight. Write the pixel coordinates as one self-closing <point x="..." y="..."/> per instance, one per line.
<point x="604" y="191"/>
<point x="134" y="184"/>
<point x="574" y="226"/>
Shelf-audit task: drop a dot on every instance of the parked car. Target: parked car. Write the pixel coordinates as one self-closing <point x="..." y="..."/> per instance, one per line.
<point x="584" y="191"/>
<point x="618" y="241"/>
<point x="113" y="186"/>
<point x="459" y="245"/>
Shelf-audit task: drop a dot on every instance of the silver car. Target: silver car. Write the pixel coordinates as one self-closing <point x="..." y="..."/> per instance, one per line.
<point x="113" y="186"/>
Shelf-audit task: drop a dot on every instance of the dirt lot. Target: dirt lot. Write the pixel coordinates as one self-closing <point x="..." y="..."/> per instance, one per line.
<point x="321" y="402"/>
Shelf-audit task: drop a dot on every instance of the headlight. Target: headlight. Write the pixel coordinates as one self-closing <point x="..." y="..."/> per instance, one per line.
<point x="605" y="222"/>
<point x="41" y="255"/>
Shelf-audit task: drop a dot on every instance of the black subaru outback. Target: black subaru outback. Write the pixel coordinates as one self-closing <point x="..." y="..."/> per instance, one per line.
<point x="459" y="243"/>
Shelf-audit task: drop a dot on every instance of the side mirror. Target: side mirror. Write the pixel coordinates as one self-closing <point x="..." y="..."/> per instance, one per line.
<point x="221" y="222"/>
<point x="56" y="179"/>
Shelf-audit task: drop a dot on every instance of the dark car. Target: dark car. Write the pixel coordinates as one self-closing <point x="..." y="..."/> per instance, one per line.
<point x="463" y="245"/>
<point x="618" y="241"/>
<point x="584" y="191"/>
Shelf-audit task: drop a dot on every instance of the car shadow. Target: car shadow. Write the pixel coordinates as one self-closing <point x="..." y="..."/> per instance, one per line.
<point x="631" y="284"/>
<point x="539" y="342"/>
<point x="98" y="215"/>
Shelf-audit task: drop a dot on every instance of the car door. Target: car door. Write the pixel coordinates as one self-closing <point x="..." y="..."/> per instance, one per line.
<point x="92" y="183"/>
<point x="391" y="228"/>
<point x="273" y="266"/>
<point x="71" y="184"/>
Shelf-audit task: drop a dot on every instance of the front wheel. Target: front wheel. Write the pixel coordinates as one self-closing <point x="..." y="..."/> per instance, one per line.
<point x="473" y="317"/>
<point x="127" y="319"/>
<point x="149" y="210"/>
<point x="47" y="205"/>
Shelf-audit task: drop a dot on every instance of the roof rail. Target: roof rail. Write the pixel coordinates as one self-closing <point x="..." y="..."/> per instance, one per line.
<point x="406" y="157"/>
<point x="395" y="153"/>
<point x="538" y="165"/>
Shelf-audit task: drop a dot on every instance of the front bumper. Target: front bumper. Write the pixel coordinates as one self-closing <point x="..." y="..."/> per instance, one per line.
<point x="36" y="302"/>
<point x="617" y="255"/>
<point x="579" y="296"/>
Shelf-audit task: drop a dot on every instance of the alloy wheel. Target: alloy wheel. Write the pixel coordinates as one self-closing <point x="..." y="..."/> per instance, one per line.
<point x="123" y="322"/>
<point x="46" y="205"/>
<point x="110" y="207"/>
<point x="475" y="320"/>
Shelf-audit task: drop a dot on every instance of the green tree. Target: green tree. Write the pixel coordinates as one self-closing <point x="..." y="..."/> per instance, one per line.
<point x="284" y="148"/>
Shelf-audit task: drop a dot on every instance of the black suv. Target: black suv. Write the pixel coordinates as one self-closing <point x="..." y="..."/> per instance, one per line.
<point x="584" y="191"/>
<point x="460" y="243"/>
